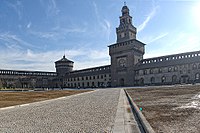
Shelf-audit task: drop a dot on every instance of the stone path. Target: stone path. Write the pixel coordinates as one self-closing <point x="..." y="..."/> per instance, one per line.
<point x="90" y="112"/>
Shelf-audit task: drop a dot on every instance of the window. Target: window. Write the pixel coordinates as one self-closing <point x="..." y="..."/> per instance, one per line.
<point x="163" y="79"/>
<point x="151" y="71"/>
<point x="88" y="84"/>
<point x="93" y="84"/>
<point x="181" y="72"/>
<point x="160" y="70"/>
<point x="194" y="66"/>
<point x="175" y="68"/>
<point x="169" y="69"/>
<point x="137" y="72"/>
<point x="152" y="80"/>
<point x="141" y="81"/>
<point x="144" y="72"/>
<point x="93" y="77"/>
<point x="83" y="85"/>
<point x="174" y="79"/>
<point x="101" y="76"/>
<point x="197" y="76"/>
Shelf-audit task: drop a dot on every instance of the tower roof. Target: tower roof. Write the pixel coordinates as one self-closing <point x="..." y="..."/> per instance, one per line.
<point x="125" y="9"/>
<point x="64" y="59"/>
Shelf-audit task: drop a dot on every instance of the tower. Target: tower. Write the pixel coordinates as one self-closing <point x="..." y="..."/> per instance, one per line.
<point x="63" y="66"/>
<point x="126" y="52"/>
<point x="126" y="30"/>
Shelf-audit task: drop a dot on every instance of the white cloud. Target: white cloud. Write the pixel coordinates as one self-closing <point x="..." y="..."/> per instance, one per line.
<point x="44" y="61"/>
<point x="183" y="42"/>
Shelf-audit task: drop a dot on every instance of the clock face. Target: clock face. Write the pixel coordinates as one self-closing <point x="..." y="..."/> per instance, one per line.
<point x="122" y="62"/>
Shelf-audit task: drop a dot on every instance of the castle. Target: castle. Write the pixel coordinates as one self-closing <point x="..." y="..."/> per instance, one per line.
<point x="128" y="68"/>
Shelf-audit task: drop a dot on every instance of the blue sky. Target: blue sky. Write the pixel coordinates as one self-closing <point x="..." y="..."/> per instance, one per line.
<point x="36" y="33"/>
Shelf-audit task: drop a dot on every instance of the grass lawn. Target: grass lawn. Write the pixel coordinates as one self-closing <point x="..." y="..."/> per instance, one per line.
<point x="17" y="98"/>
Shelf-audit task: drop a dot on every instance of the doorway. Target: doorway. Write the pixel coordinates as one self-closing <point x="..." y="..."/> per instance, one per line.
<point x="185" y="79"/>
<point x="121" y="82"/>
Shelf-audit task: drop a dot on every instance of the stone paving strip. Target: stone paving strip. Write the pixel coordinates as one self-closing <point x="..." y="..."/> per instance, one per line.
<point x="125" y="121"/>
<point x="90" y="112"/>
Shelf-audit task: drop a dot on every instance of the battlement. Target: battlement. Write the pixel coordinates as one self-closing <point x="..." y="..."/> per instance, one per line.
<point x="27" y="73"/>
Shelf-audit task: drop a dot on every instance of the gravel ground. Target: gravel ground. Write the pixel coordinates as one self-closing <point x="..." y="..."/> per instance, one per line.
<point x="91" y="112"/>
<point x="170" y="109"/>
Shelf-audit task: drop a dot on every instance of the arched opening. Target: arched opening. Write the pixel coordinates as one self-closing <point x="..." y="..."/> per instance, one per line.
<point x="152" y="80"/>
<point x="121" y="82"/>
<point x="163" y="79"/>
<point x="185" y="79"/>
<point x="197" y="78"/>
<point x="174" y="79"/>
<point x="141" y="81"/>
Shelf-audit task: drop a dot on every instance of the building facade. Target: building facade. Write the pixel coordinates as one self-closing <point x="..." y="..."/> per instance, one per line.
<point x="128" y="68"/>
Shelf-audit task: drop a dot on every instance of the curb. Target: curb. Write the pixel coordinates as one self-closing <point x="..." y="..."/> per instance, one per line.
<point x="142" y="120"/>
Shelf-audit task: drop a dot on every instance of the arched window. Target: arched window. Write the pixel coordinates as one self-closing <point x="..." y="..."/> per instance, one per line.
<point x="151" y="71"/>
<point x="152" y="80"/>
<point x="199" y="66"/>
<point x="160" y="70"/>
<point x="88" y="84"/>
<point x="194" y="66"/>
<point x="169" y="69"/>
<point x="122" y="82"/>
<point x="163" y="79"/>
<point x="197" y="76"/>
<point x="174" y="79"/>
<point x="175" y="68"/>
<point x="141" y="81"/>
<point x="145" y="72"/>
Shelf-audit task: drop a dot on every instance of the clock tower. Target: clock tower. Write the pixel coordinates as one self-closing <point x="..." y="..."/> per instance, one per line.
<point x="126" y="52"/>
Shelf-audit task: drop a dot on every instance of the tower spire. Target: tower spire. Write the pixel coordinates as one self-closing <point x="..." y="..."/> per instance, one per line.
<point x="124" y="3"/>
<point x="64" y="54"/>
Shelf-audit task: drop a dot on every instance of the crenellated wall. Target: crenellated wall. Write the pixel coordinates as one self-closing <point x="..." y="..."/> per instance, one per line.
<point x="181" y="68"/>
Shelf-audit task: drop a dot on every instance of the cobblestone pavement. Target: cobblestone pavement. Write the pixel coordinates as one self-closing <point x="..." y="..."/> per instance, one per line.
<point x="90" y="112"/>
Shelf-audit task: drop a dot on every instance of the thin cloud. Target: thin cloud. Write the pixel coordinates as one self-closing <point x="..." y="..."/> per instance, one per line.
<point x="17" y="7"/>
<point x="157" y="38"/>
<point x="104" y="23"/>
<point x="51" y="8"/>
<point x="96" y="9"/>
<point x="56" y="33"/>
<point x="13" y="41"/>
<point x="148" y="18"/>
